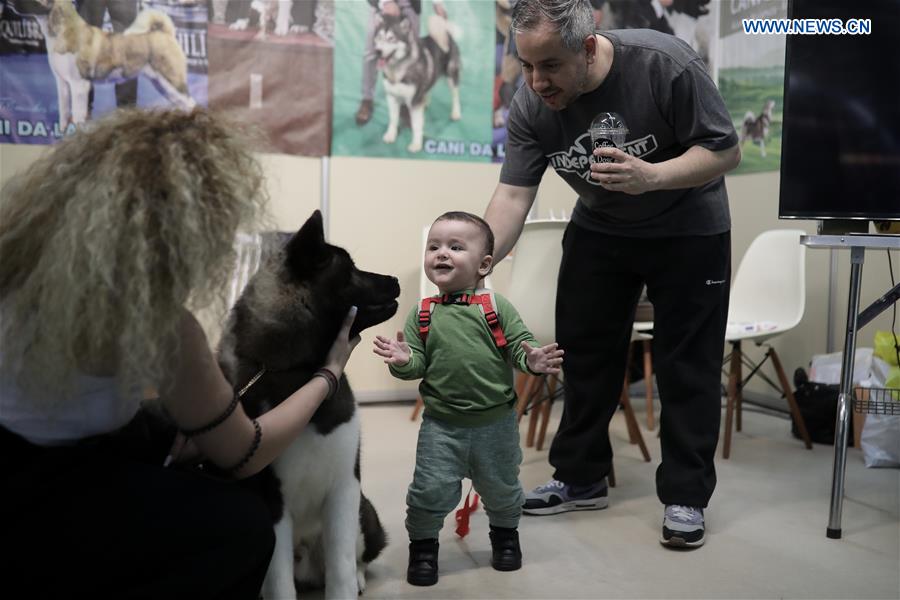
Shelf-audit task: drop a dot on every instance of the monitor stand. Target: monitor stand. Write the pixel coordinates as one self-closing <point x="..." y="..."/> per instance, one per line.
<point x="842" y="226"/>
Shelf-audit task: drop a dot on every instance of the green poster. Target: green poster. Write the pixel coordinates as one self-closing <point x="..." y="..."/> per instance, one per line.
<point x="751" y="79"/>
<point x="384" y="65"/>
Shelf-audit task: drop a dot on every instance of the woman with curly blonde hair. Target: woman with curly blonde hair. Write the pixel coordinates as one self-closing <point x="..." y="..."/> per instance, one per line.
<point x="107" y="243"/>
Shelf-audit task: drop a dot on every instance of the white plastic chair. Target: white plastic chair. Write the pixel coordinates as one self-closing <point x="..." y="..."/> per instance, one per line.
<point x="768" y="297"/>
<point x="532" y="290"/>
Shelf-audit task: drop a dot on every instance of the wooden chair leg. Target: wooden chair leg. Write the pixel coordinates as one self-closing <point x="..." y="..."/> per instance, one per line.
<point x="521" y="382"/>
<point x="546" y="408"/>
<point x="792" y="402"/>
<point x="648" y="384"/>
<point x="624" y="397"/>
<point x="733" y="374"/>
<point x="634" y="429"/>
<point x="625" y="400"/>
<point x="417" y="408"/>
<point x="537" y="404"/>
<point x="525" y="395"/>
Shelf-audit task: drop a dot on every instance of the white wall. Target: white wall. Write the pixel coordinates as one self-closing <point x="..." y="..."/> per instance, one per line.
<point x="378" y="207"/>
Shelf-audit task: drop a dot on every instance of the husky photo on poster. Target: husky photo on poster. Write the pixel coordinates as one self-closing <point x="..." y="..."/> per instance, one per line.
<point x="270" y="65"/>
<point x="751" y="79"/>
<point x="97" y="55"/>
<point x="413" y="79"/>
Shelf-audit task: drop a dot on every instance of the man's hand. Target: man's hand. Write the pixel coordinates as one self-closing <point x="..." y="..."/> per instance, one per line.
<point x="546" y="359"/>
<point x="394" y="352"/>
<point x="627" y="174"/>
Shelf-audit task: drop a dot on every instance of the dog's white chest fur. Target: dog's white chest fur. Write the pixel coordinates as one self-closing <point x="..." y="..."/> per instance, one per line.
<point x="320" y="526"/>
<point x="314" y="465"/>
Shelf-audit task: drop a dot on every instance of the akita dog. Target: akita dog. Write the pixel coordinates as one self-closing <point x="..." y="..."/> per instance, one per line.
<point x="80" y="54"/>
<point x="411" y="66"/>
<point x="283" y="325"/>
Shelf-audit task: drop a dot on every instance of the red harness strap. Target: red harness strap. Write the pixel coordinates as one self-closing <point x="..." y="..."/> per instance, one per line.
<point x="482" y="300"/>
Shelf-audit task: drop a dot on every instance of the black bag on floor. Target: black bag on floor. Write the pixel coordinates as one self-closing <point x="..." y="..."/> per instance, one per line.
<point x="818" y="405"/>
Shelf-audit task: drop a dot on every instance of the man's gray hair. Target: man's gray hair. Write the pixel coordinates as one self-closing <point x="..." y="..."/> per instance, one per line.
<point x="574" y="19"/>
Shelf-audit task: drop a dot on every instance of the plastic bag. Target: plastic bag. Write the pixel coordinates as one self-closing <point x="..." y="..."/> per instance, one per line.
<point x="880" y="440"/>
<point x="826" y="368"/>
<point x="893" y="378"/>
<point x="885" y="347"/>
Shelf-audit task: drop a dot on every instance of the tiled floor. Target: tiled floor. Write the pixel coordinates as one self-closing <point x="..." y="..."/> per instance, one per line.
<point x="766" y="526"/>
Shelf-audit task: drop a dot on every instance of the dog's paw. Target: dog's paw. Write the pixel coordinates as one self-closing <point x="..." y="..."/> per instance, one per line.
<point x="455" y="114"/>
<point x="239" y="25"/>
<point x="389" y="136"/>
<point x="414" y="147"/>
<point x="282" y="29"/>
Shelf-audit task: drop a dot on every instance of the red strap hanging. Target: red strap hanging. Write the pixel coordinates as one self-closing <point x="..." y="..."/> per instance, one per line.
<point x="462" y="515"/>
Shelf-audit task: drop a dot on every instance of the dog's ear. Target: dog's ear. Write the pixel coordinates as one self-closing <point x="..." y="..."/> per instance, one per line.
<point x="306" y="249"/>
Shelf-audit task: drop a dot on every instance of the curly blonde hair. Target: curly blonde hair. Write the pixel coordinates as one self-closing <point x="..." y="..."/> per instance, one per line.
<point x="105" y="241"/>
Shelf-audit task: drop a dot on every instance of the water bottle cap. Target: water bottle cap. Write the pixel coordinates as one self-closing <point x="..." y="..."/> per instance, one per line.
<point x="609" y="121"/>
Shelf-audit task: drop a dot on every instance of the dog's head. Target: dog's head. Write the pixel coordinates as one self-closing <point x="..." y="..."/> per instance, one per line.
<point x="292" y="308"/>
<point x="393" y="39"/>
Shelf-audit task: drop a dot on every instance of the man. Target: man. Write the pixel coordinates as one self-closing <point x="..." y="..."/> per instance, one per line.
<point x="657" y="215"/>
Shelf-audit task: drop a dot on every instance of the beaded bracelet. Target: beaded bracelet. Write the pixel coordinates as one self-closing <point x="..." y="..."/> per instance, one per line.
<point x="330" y="378"/>
<point x="215" y="422"/>
<point x="257" y="436"/>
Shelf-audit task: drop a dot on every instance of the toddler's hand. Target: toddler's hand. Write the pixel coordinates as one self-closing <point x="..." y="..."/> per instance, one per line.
<point x="546" y="359"/>
<point x="394" y="352"/>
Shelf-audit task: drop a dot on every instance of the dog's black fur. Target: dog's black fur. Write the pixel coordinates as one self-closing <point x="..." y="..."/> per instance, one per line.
<point x="285" y="322"/>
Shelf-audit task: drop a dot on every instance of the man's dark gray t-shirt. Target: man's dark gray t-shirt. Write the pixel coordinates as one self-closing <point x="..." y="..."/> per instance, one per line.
<point x="660" y="87"/>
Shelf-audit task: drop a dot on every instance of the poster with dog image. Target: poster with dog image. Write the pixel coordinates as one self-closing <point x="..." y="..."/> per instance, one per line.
<point x="413" y="79"/>
<point x="751" y="79"/>
<point x="99" y="54"/>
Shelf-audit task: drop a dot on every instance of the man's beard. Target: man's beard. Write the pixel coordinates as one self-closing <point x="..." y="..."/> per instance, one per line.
<point x="579" y="86"/>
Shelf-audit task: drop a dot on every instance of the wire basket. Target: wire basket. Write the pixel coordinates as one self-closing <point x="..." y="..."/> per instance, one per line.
<point x="877" y="401"/>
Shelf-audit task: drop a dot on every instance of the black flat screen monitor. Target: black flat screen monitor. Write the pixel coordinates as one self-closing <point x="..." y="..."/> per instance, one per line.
<point x="840" y="155"/>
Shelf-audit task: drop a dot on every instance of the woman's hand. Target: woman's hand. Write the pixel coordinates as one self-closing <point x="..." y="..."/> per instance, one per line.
<point x="183" y="450"/>
<point x="342" y="346"/>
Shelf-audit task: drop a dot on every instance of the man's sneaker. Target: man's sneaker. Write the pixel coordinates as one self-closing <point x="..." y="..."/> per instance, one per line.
<point x="683" y="526"/>
<point x="556" y="497"/>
